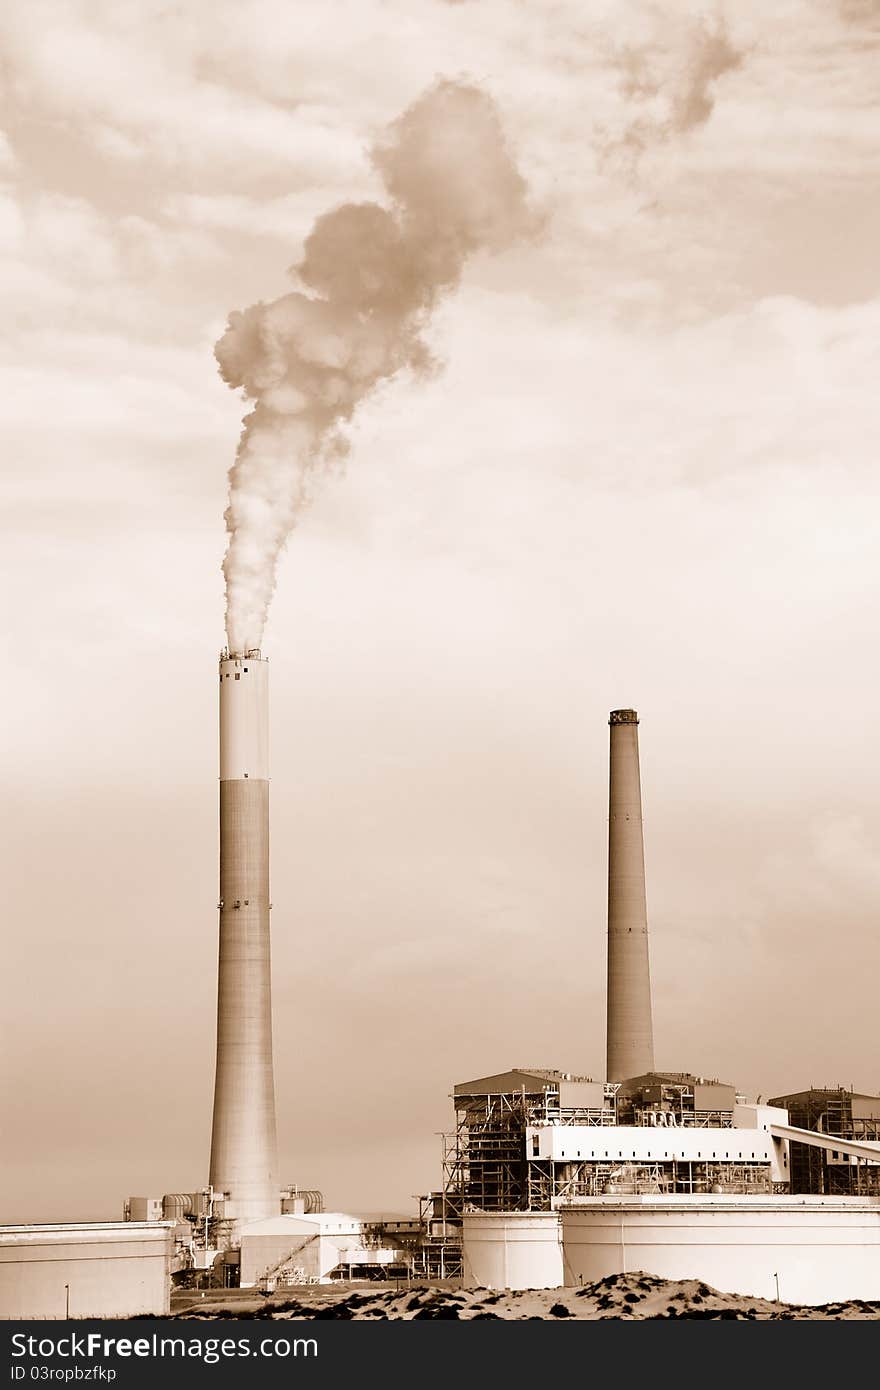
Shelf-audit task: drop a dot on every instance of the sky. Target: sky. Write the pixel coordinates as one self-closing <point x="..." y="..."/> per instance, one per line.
<point x="643" y="474"/>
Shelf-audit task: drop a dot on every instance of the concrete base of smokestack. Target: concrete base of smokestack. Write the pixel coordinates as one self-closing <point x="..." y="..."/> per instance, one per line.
<point x="243" y="1146"/>
<point x="630" y="1042"/>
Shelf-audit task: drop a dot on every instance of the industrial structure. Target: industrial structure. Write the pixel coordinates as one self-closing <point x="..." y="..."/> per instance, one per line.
<point x="801" y="1249"/>
<point x="534" y="1139"/>
<point x="551" y="1178"/>
<point x="548" y="1177"/>
<point x="244" y="1161"/>
<point x="104" y="1269"/>
<point x="837" y="1114"/>
<point x="291" y="1250"/>
<point x="630" y="1042"/>
<point x="206" y="1245"/>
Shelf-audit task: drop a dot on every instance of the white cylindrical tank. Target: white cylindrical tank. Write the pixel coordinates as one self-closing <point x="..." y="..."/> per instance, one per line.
<point x="512" y="1250"/>
<point x="822" y="1249"/>
<point x="102" y="1269"/>
<point x="243" y="1143"/>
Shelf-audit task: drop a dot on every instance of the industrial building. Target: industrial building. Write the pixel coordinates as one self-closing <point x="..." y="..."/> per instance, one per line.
<point x="552" y="1178"/>
<point x="834" y="1113"/>
<point x="532" y="1139"/>
<point x="285" y="1251"/>
<point x="548" y="1176"/>
<point x="201" y="1232"/>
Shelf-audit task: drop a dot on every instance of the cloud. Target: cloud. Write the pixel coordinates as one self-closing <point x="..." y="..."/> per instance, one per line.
<point x="142" y="88"/>
<point x="711" y="55"/>
<point x="71" y="263"/>
<point x="287" y="218"/>
<point x="672" y="85"/>
<point x="8" y="160"/>
<point x="865" y="12"/>
<point x="11" y="223"/>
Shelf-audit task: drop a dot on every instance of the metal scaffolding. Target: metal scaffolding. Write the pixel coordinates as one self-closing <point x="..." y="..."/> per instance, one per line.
<point x="487" y="1165"/>
<point x="846" y="1115"/>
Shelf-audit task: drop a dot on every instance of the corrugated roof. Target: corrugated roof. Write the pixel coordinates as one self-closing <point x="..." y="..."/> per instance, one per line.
<point x="675" y="1078"/>
<point x="292" y="1221"/>
<point x="535" y="1079"/>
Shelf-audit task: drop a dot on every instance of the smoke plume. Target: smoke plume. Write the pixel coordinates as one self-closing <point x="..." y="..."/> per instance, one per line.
<point x="674" y="85"/>
<point x="371" y="276"/>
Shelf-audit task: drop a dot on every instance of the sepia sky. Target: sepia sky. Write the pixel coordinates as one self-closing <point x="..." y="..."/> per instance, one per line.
<point x="645" y="476"/>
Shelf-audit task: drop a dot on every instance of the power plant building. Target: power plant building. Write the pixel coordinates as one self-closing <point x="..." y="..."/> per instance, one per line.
<point x="835" y="1113"/>
<point x="533" y="1139"/>
<point x="549" y="1177"/>
<point x="552" y="1178"/>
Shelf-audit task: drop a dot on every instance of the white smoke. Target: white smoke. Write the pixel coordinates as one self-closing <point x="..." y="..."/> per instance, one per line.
<point x="372" y="275"/>
<point x="671" y="83"/>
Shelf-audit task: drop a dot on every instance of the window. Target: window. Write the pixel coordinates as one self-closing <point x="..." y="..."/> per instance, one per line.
<point x="238" y="676"/>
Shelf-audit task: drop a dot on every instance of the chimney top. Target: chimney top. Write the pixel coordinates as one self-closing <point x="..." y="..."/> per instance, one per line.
<point x="623" y="716"/>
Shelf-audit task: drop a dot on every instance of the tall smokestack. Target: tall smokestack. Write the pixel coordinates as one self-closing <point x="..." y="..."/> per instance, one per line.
<point x="630" y="1028"/>
<point x="243" y="1147"/>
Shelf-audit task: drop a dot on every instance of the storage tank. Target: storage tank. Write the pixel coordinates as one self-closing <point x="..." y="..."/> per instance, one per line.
<point x="102" y="1269"/>
<point x="821" y="1249"/>
<point x="512" y="1250"/>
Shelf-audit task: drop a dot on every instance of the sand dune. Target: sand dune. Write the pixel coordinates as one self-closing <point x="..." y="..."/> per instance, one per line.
<point x="634" y="1296"/>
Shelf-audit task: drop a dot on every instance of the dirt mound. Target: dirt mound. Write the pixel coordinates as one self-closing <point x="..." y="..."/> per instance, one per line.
<point x="635" y="1296"/>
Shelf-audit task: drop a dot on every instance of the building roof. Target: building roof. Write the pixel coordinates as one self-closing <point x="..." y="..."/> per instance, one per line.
<point x="534" y="1079"/>
<point x="822" y="1092"/>
<point x="675" y="1078"/>
<point x="319" y="1221"/>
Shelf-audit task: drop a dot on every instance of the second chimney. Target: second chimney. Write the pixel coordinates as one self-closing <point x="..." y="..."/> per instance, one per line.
<point x="630" y="1050"/>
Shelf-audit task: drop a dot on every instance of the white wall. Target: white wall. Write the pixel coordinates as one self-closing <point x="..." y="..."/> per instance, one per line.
<point x="113" y="1269"/>
<point x="512" y="1250"/>
<point x="823" y="1249"/>
<point x="265" y="1243"/>
<point x="643" y="1143"/>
